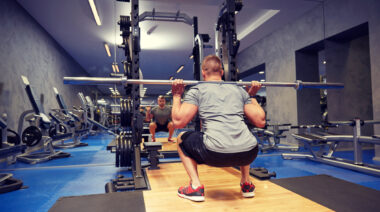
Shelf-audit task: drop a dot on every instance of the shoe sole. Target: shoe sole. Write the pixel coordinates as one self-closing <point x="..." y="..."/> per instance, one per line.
<point x="193" y="198"/>
<point x="248" y="194"/>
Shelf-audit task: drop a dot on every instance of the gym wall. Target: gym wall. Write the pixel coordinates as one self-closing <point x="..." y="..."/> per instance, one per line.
<point x="27" y="49"/>
<point x="278" y="52"/>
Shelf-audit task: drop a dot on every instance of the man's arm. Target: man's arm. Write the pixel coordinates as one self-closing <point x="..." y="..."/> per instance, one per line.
<point x="182" y="114"/>
<point x="254" y="112"/>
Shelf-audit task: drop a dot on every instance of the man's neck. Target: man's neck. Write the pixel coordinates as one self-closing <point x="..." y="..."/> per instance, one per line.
<point x="163" y="106"/>
<point x="213" y="78"/>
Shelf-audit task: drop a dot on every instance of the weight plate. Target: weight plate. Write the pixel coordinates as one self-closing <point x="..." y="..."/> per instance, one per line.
<point x="117" y="154"/>
<point x="128" y="152"/>
<point x="31" y="136"/>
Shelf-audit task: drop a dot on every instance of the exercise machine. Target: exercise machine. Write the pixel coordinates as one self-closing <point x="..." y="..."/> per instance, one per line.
<point x="10" y="142"/>
<point x="66" y="115"/>
<point x="269" y="137"/>
<point x="322" y="146"/>
<point x="36" y="136"/>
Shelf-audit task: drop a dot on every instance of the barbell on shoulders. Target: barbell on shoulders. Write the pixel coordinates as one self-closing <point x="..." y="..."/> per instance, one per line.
<point x="124" y="81"/>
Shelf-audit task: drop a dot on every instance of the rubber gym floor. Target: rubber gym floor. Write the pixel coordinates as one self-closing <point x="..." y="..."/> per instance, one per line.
<point x="90" y="168"/>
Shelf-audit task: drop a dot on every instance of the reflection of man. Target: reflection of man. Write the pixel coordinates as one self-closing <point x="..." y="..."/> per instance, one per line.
<point x="161" y="121"/>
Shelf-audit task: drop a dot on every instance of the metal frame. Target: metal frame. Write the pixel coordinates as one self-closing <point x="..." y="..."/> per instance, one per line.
<point x="226" y="42"/>
<point x="166" y="16"/>
<point x="332" y="141"/>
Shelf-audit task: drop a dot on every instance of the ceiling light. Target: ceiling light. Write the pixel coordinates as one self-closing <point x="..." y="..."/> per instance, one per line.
<point x="262" y="80"/>
<point x="324" y="62"/>
<point x="113" y="68"/>
<point x="180" y="68"/>
<point x="171" y="78"/>
<point x="261" y="72"/>
<point x="107" y="49"/>
<point x="191" y="57"/>
<point x="95" y="12"/>
<point x="117" y="68"/>
<point x="111" y="89"/>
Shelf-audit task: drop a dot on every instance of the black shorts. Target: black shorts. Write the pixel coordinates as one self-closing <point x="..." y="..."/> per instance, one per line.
<point x="192" y="146"/>
<point x="163" y="127"/>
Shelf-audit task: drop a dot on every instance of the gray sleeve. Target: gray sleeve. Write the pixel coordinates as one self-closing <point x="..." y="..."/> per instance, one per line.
<point x="245" y="95"/>
<point x="191" y="96"/>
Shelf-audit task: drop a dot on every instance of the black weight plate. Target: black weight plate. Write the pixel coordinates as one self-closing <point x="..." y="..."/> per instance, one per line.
<point x="120" y="151"/>
<point x="122" y="113"/>
<point x="123" y="152"/>
<point x="52" y="131"/>
<point x="127" y="113"/>
<point x="128" y="152"/>
<point x="117" y="161"/>
<point x="31" y="136"/>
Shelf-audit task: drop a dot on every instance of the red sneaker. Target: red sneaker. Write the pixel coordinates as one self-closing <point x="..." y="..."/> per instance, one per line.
<point x="247" y="189"/>
<point x="197" y="195"/>
<point x="171" y="140"/>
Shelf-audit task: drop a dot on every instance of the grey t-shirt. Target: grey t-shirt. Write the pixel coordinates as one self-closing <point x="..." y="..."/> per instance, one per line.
<point x="163" y="115"/>
<point x="221" y="110"/>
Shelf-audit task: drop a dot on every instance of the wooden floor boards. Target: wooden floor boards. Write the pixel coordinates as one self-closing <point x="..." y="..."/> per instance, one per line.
<point x="222" y="192"/>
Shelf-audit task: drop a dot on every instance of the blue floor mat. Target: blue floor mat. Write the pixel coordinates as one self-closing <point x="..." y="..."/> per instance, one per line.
<point x="91" y="167"/>
<point x="46" y="185"/>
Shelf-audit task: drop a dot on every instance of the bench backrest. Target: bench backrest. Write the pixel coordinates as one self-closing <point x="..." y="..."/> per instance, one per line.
<point x="60" y="101"/>
<point x="36" y="102"/>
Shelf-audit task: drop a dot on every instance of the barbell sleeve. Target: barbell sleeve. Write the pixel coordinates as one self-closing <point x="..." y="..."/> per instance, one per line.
<point x="124" y="81"/>
<point x="94" y="80"/>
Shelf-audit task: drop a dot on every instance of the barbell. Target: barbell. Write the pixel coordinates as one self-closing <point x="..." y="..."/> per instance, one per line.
<point x="124" y="81"/>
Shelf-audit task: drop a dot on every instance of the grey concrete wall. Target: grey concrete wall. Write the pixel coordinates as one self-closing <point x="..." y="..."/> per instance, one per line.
<point x="308" y="100"/>
<point x="349" y="63"/>
<point x="27" y="49"/>
<point x="374" y="43"/>
<point x="277" y="51"/>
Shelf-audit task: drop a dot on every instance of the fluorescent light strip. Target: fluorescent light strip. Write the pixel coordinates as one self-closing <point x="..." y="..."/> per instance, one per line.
<point x="117" y="68"/>
<point x="255" y="24"/>
<point x="113" y="68"/>
<point x="95" y="12"/>
<point x="180" y="68"/>
<point x="107" y="49"/>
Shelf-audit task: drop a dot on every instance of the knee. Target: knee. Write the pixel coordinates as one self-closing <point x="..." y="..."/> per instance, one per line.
<point x="152" y="125"/>
<point x="170" y="125"/>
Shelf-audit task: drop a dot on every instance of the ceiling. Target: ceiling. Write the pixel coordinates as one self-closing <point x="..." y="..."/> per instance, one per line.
<point x="165" y="45"/>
